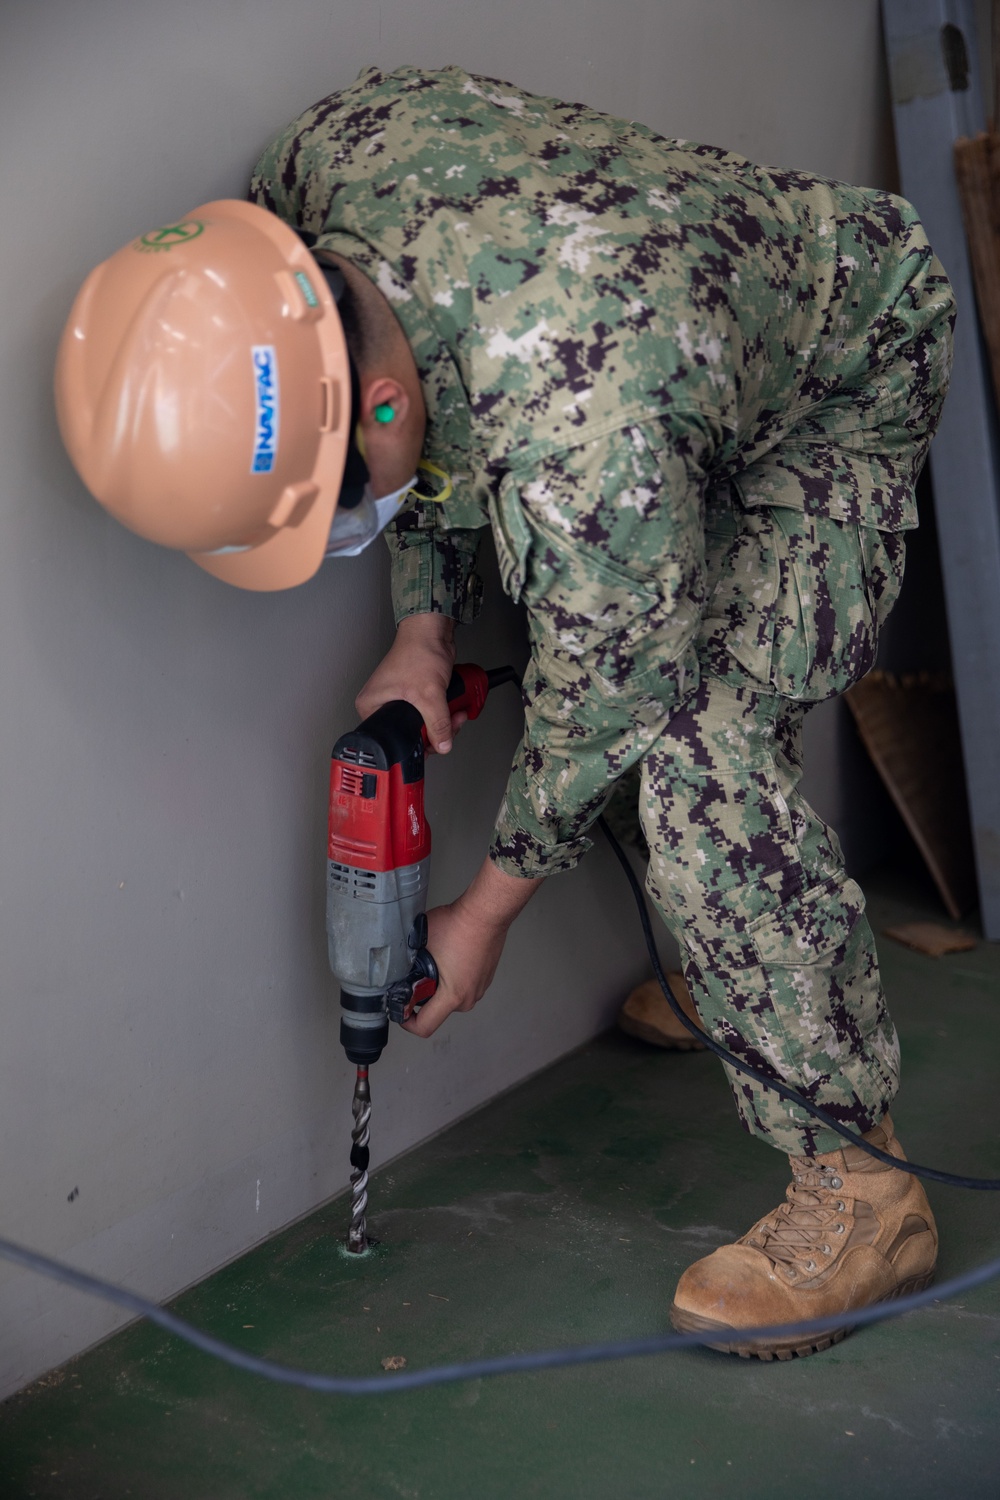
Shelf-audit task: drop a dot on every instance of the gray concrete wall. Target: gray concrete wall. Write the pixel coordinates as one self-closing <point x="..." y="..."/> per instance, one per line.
<point x="171" y="1086"/>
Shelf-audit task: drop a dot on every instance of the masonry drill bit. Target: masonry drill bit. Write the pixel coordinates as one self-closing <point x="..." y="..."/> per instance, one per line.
<point x="361" y="1108"/>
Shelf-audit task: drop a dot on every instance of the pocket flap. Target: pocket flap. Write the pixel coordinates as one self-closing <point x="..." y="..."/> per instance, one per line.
<point x="809" y="928"/>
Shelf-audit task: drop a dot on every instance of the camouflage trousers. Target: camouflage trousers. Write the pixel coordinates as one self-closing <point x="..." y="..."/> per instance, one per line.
<point x="777" y="951"/>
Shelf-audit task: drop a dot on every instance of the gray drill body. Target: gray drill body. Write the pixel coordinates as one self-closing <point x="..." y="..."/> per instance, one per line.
<point x="369" y="918"/>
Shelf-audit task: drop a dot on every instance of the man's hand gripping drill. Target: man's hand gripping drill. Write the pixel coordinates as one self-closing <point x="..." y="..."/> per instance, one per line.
<point x="377" y="878"/>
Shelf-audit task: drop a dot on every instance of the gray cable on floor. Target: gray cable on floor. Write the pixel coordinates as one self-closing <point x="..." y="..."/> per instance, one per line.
<point x="477" y="1369"/>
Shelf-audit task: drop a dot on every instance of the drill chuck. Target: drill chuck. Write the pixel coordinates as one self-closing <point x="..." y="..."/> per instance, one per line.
<point x="365" y="1017"/>
<point x="364" y="1026"/>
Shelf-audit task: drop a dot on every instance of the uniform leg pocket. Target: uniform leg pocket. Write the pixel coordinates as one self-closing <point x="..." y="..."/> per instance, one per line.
<point x="841" y="581"/>
<point x="826" y="623"/>
<point x="798" y="600"/>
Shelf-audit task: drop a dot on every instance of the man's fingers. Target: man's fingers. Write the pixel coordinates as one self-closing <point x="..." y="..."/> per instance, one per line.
<point x="437" y="719"/>
<point x="430" y="1016"/>
<point x="433" y="709"/>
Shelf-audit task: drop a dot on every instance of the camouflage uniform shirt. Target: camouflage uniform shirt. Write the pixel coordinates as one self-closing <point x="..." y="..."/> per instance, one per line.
<point x="607" y="325"/>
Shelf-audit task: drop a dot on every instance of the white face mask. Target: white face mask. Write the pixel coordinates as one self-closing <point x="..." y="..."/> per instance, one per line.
<point x="354" y="530"/>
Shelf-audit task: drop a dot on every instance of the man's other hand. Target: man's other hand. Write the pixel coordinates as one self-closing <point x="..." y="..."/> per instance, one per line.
<point x="466" y="940"/>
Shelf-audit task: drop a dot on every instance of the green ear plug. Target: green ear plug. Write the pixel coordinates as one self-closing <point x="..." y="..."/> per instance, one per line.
<point x="384" y="413"/>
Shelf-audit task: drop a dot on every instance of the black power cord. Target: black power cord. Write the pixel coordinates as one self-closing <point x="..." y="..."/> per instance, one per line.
<point x="544" y="1359"/>
<point x="953" y="1179"/>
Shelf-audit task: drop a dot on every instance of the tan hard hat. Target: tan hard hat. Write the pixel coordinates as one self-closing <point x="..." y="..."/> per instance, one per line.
<point x="203" y="393"/>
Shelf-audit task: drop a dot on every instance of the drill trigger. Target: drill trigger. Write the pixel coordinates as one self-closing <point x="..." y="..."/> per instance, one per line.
<point x="423" y="990"/>
<point x="405" y="997"/>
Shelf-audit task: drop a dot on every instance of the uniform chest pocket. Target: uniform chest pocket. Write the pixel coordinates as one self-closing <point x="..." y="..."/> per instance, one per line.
<point x="599" y="631"/>
<point x="576" y="587"/>
<point x="600" y="635"/>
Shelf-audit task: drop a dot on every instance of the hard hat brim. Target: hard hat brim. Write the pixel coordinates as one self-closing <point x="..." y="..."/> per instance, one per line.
<point x="291" y="556"/>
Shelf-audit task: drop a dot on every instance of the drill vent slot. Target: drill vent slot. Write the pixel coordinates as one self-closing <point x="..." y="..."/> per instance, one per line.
<point x="347" y="878"/>
<point x="358" y="783"/>
<point x="408" y="880"/>
<point x="358" y="757"/>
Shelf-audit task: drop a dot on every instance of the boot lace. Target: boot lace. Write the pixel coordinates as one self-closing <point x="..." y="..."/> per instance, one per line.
<point x="805" y="1233"/>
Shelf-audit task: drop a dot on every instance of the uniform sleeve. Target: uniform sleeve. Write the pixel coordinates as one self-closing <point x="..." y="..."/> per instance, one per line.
<point x="605" y="545"/>
<point x="433" y="568"/>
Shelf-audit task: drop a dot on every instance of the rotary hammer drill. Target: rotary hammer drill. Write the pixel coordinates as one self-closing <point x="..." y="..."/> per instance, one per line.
<point x="378" y="870"/>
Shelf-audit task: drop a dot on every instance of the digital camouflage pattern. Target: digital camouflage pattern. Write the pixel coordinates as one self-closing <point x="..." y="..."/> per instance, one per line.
<point x="749" y="879"/>
<point x="691" y="396"/>
<point x="606" y="323"/>
<point x="777" y="952"/>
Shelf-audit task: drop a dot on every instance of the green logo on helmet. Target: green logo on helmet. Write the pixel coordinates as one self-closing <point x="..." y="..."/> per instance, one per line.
<point x="170" y="235"/>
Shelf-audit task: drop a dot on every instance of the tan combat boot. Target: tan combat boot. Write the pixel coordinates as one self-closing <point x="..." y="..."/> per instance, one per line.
<point x="647" y="1015"/>
<point x="851" y="1232"/>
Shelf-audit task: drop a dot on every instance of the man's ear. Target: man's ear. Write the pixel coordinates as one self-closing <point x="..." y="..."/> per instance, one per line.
<point x="385" y="404"/>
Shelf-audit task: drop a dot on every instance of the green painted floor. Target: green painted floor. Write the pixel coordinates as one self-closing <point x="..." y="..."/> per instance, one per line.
<point x="564" y="1212"/>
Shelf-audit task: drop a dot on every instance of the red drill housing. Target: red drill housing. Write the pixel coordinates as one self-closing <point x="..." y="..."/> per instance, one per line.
<point x="378" y="851"/>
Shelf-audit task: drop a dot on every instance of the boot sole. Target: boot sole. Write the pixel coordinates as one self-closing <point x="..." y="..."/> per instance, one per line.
<point x="689" y="1322"/>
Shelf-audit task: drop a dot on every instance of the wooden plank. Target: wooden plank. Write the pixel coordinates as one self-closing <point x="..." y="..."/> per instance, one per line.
<point x="934" y="104"/>
<point x="910" y="729"/>
<point x="977" y="169"/>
